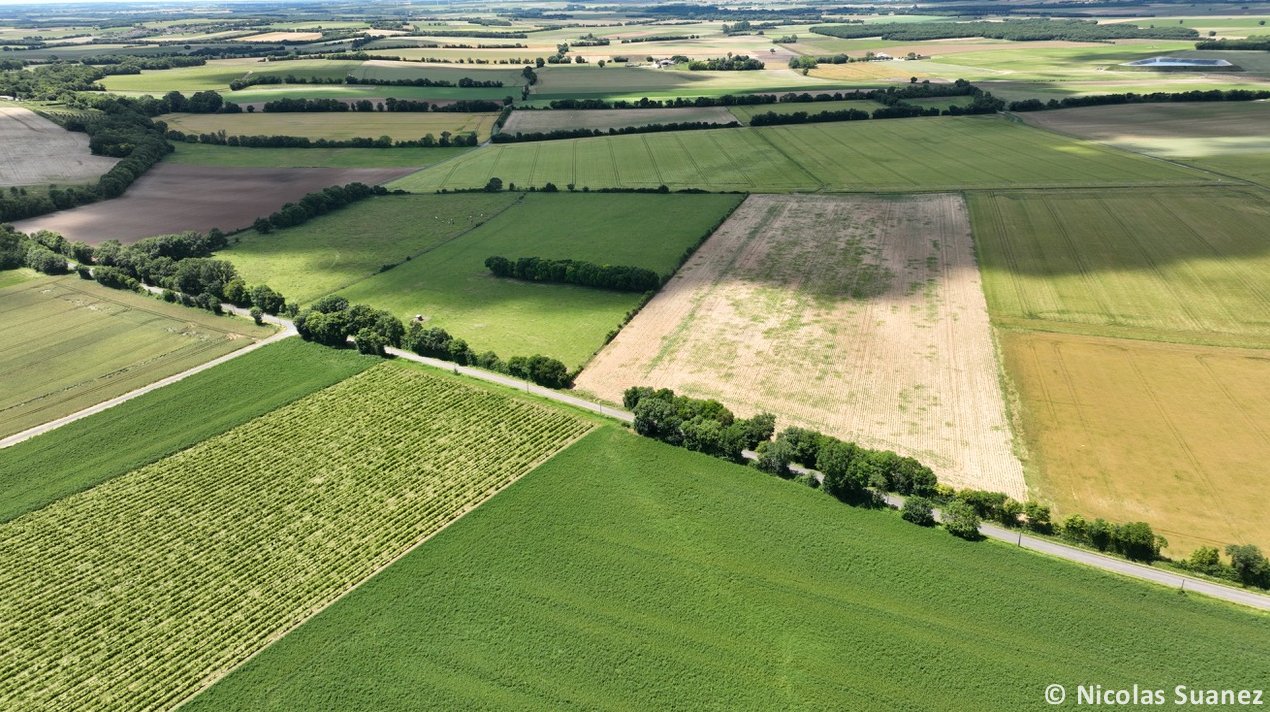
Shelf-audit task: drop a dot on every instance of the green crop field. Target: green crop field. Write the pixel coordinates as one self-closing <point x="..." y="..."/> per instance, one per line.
<point x="512" y="79"/>
<point x="216" y="75"/>
<point x="1253" y="167"/>
<point x="90" y="451"/>
<point x="410" y="126"/>
<point x="273" y="92"/>
<point x="451" y="287"/>
<point x="938" y="153"/>
<point x="1185" y="266"/>
<point x="200" y="154"/>
<point x="332" y="252"/>
<point x="1175" y="130"/>
<point x="626" y="574"/>
<point x="73" y="343"/>
<point x="228" y="544"/>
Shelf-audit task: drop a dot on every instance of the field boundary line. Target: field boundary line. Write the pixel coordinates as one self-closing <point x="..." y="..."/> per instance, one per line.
<point x="207" y="684"/>
<point x="287" y="332"/>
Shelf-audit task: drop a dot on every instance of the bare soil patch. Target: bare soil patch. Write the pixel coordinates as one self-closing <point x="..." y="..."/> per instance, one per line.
<point x="531" y="121"/>
<point x="862" y="317"/>
<point x="172" y="198"/>
<point x="36" y="151"/>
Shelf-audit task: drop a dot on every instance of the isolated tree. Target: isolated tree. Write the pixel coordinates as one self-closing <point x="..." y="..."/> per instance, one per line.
<point x="494" y="185"/>
<point x="257" y="315"/>
<point x="919" y="511"/>
<point x="1250" y="565"/>
<point x="961" y="520"/>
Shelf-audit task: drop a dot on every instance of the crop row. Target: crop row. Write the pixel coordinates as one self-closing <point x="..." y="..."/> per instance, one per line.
<point x="134" y="594"/>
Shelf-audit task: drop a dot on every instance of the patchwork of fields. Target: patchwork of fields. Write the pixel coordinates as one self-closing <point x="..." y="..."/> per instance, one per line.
<point x="73" y="343"/>
<point x="628" y="574"/>
<point x="924" y="154"/>
<point x="264" y="525"/>
<point x="605" y="119"/>
<point x="860" y="317"/>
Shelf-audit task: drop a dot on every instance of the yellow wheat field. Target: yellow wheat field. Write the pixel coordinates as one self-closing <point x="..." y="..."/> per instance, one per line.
<point x="862" y="317"/>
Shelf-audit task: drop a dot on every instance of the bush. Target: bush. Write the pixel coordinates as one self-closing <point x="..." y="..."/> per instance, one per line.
<point x="961" y="520"/>
<point x="919" y="511"/>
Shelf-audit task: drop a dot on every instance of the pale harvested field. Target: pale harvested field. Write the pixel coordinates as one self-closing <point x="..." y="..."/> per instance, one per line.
<point x="36" y="151"/>
<point x="862" y="317"/>
<point x="605" y="119"/>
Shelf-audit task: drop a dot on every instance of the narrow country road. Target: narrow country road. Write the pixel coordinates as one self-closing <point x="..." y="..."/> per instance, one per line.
<point x="1045" y="546"/>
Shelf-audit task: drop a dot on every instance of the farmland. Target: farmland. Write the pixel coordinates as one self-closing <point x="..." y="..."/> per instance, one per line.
<point x="707" y="585"/>
<point x="901" y="155"/>
<point x="1177" y="131"/>
<point x="409" y="126"/>
<point x="273" y="92"/>
<point x="200" y="154"/>
<point x="745" y="113"/>
<point x="323" y="256"/>
<point x="94" y="449"/>
<point x="234" y="541"/>
<point x="604" y="119"/>
<point x="1176" y="436"/>
<point x="216" y="75"/>
<point x="74" y="343"/>
<point x="1183" y="266"/>
<point x="34" y="150"/>
<point x="171" y="198"/>
<point x="452" y="289"/>
<point x="860" y="317"/>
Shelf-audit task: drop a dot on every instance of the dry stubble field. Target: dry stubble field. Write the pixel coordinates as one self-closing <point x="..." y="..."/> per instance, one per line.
<point x="859" y="316"/>
<point x="36" y="151"/>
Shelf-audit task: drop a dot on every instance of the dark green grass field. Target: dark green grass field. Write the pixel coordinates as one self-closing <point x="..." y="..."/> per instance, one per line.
<point x="625" y="574"/>
<point x="451" y="287"/>
<point x="90" y="451"/>
<point x="199" y="154"/>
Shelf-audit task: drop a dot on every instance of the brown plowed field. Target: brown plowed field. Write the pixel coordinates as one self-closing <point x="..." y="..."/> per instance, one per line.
<point x="172" y="198"/>
<point x="36" y="151"/>
<point x="862" y="317"/>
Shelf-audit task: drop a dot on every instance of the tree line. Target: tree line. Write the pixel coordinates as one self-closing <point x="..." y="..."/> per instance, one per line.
<point x="220" y="138"/>
<point x="1254" y="44"/>
<point x="537" y="269"/>
<point x="289" y="105"/>
<point x="258" y="79"/>
<point x="1022" y="30"/>
<point x="316" y="203"/>
<point x="504" y="137"/>
<point x="890" y="95"/>
<point x="855" y="475"/>
<point x="1131" y="98"/>
<point x="738" y="63"/>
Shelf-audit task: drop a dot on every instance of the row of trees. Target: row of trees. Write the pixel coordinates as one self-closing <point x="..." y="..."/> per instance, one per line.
<point x="738" y="63"/>
<point x="289" y="105"/>
<point x="504" y="137"/>
<point x="1253" y="44"/>
<point x="854" y="474"/>
<point x="427" y="141"/>
<point x="317" y="203"/>
<point x="700" y="425"/>
<point x="587" y="274"/>
<point x="1022" y="30"/>
<point x="1131" y="98"/>
<point x="888" y="96"/>
<point x="462" y="83"/>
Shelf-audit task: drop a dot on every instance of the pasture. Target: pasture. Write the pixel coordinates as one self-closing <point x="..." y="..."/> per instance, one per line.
<point x="605" y="119"/>
<point x="1175" y="131"/>
<point x="351" y="244"/>
<point x="202" y="154"/>
<point x="90" y="451"/>
<point x="451" y="287"/>
<point x="172" y="198"/>
<point x="861" y="317"/>
<point x="1187" y="266"/>
<point x="73" y="343"/>
<point x="925" y="154"/>
<point x="627" y="574"/>
<point x="408" y="126"/>
<point x="227" y="545"/>
<point x="36" y="151"/>
<point x="1176" y="436"/>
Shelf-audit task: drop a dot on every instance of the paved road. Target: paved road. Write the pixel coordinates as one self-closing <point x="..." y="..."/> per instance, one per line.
<point x="1070" y="553"/>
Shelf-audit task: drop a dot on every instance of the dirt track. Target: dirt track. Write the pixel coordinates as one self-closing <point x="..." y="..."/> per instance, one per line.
<point x="861" y="317"/>
<point x="172" y="198"/>
<point x="36" y="151"/>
